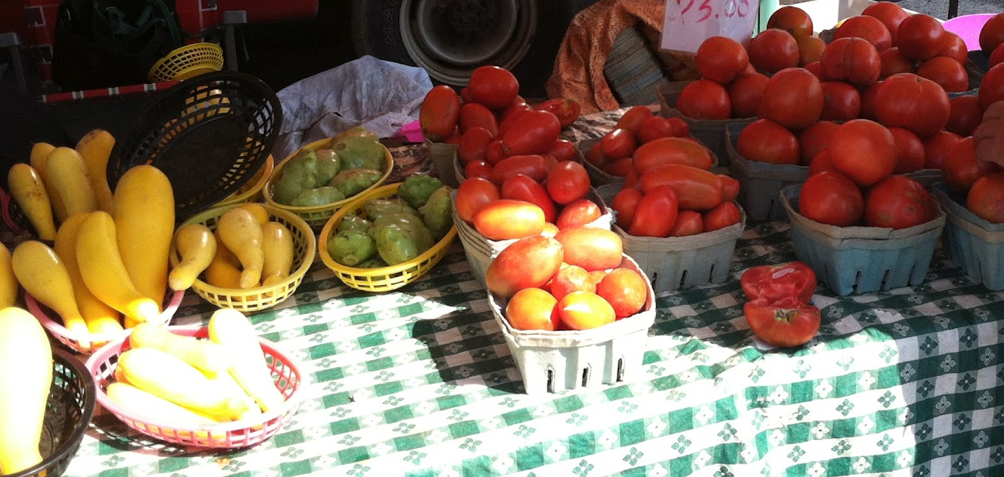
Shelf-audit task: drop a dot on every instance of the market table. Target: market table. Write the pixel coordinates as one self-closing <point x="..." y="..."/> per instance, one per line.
<point x="420" y="382"/>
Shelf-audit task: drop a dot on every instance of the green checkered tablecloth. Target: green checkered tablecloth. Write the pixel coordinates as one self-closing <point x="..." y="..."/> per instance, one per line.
<point x="419" y="382"/>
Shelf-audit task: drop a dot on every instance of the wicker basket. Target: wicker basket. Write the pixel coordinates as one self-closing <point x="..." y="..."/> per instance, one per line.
<point x="285" y="371"/>
<point x="386" y="278"/>
<point x="262" y="297"/>
<point x="317" y="216"/>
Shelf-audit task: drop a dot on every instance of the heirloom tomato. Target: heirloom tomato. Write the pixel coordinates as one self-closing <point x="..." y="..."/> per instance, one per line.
<point x="721" y="59"/>
<point x="864" y="150"/>
<point x="960" y="168"/>
<point x="866" y="27"/>
<point x="791" y="19"/>
<point x="830" y="197"/>
<point x="909" y="101"/>
<point x="910" y="153"/>
<point x="945" y="71"/>
<point x="992" y="86"/>
<point x="992" y="33"/>
<point x="822" y="162"/>
<point x="784" y="324"/>
<point x="986" y="198"/>
<point x="745" y="93"/>
<point x="773" y="50"/>
<point x="893" y="62"/>
<point x="810" y="49"/>
<point x="814" y="139"/>
<point x="966" y="114"/>
<point x="704" y="99"/>
<point x="920" y="36"/>
<point x="532" y="309"/>
<point x="792" y="97"/>
<point x="766" y="141"/>
<point x="777" y="282"/>
<point x="955" y="48"/>
<point x="841" y="101"/>
<point x="898" y="202"/>
<point x="625" y="290"/>
<point x="851" y="59"/>
<point x="890" y="14"/>
<point x="936" y="148"/>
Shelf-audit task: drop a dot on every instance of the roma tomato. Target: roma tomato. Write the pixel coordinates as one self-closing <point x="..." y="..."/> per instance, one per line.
<point x="569" y="279"/>
<point x="591" y="248"/>
<point x="625" y="203"/>
<point x="830" y="197"/>
<point x="567" y="182"/>
<point x="986" y="198"/>
<point x="439" y="113"/>
<point x="865" y="151"/>
<point x="533" y="133"/>
<point x="704" y="99"/>
<point x="960" y="168"/>
<point x="493" y="86"/>
<point x="494" y="152"/>
<point x="721" y="59"/>
<point x="524" y="188"/>
<point x="992" y="33"/>
<point x="507" y="219"/>
<point x="474" y="145"/>
<point x="910" y="154"/>
<point x="773" y="50"/>
<point x="867" y="28"/>
<point x="966" y="114"/>
<point x="909" y="101"/>
<point x="511" y="116"/>
<point x="851" y="59"/>
<point x="654" y="128"/>
<point x="671" y="150"/>
<point x="566" y="110"/>
<point x="898" y="202"/>
<point x="655" y="213"/>
<point x="532" y="309"/>
<point x="785" y="325"/>
<point x="791" y="19"/>
<point x="578" y="213"/>
<point x="688" y="222"/>
<point x="617" y="144"/>
<point x="474" y="115"/>
<point x="730" y="187"/>
<point x="793" y="97"/>
<point x="745" y="93"/>
<point x="890" y="14"/>
<point x="582" y="310"/>
<point x="527" y="263"/>
<point x="723" y="215"/>
<point x="695" y="188"/>
<point x="480" y="169"/>
<point x="534" y="166"/>
<point x="920" y="37"/>
<point x="473" y="194"/>
<point x="841" y="102"/>
<point x="813" y="140"/>
<point x="945" y="71"/>
<point x="766" y="141"/>
<point x="633" y="117"/>
<point x="563" y="150"/>
<point x="625" y="290"/>
<point x="620" y="168"/>
<point x="779" y="282"/>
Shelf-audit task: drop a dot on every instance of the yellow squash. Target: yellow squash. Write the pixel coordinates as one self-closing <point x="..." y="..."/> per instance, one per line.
<point x="224" y="270"/>
<point x="238" y="229"/>
<point x="206" y="356"/>
<point x="96" y="147"/>
<point x="66" y="176"/>
<point x="44" y="275"/>
<point x="28" y="189"/>
<point x="25" y="379"/>
<point x="8" y="281"/>
<point x="103" y="272"/>
<point x="39" y="155"/>
<point x="196" y="247"/>
<point x="277" y="243"/>
<point x="100" y="318"/>
<point x="261" y="214"/>
<point x="154" y="408"/>
<point x="144" y="221"/>
<point x="233" y="330"/>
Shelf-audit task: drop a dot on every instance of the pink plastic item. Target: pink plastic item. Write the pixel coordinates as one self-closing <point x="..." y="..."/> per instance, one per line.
<point x="411" y="132"/>
<point x="968" y="27"/>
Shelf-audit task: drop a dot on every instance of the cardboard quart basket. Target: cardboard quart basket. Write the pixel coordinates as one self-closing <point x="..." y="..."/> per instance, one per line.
<point x="480" y="251"/>
<point x="443" y="156"/>
<point x="760" y="182"/>
<point x="857" y="260"/>
<point x="597" y="177"/>
<point x="711" y="132"/>
<point x="554" y="361"/>
<point x="974" y="244"/>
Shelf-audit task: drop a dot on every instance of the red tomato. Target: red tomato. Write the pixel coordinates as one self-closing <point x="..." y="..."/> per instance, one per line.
<point x="936" y="148"/>
<point x="480" y="169"/>
<point x="620" y="168"/>
<point x="721" y="59"/>
<point x="966" y="114"/>
<point x="493" y="86"/>
<point x="527" y="263"/>
<point x="745" y="93"/>
<point x="814" y="139"/>
<point x="473" y="194"/>
<point x="654" y="128"/>
<point x="506" y="219"/>
<point x="912" y="102"/>
<point x="633" y="117"/>
<point x="511" y="116"/>
<point x="773" y="50"/>
<point x="898" y="202"/>
<point x="997" y="57"/>
<point x="494" y="152"/>
<point x="688" y="222"/>
<point x="591" y="248"/>
<point x="792" y="97"/>
<point x="617" y="144"/>
<point x="822" y="162"/>
<point x="810" y="49"/>
<point x="890" y="14"/>
<point x="532" y="309"/>
<point x="986" y="198"/>
<point x="730" y="187"/>
<point x="595" y="155"/>
<point x="567" y="182"/>
<point x="562" y="150"/>
<point x="625" y="290"/>
<point x="474" y="145"/>
<point x="853" y="60"/>
<point x="992" y="33"/>
<point x="582" y="310"/>
<point x="992" y="87"/>
<point x="566" y="110"/>
<point x="577" y="213"/>
<point x="864" y="151"/>
<point x="866" y="27"/>
<point x="791" y="19"/>
<point x="893" y="62"/>
<point x="960" y="168"/>
<point x="474" y="115"/>
<point x="778" y="282"/>
<point x="704" y="99"/>
<point x="910" y="153"/>
<point x="695" y="188"/>
<point x="868" y="100"/>
<point x="534" y="166"/>
<point x="524" y="188"/>
<point x="625" y="203"/>
<point x="569" y="279"/>
<point x="680" y="127"/>
<point x="766" y="141"/>
<point x="655" y="213"/>
<point x="830" y="197"/>
<point x="785" y="325"/>
<point x="815" y="68"/>
<point x="920" y="36"/>
<point x="955" y="48"/>
<point x="723" y="215"/>
<point x="841" y="101"/>
<point x="947" y="72"/>
<point x="672" y="150"/>
<point x="534" y="133"/>
<point x="439" y="113"/>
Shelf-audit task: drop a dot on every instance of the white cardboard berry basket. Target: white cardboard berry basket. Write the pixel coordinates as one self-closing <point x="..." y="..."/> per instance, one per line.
<point x="555" y="361"/>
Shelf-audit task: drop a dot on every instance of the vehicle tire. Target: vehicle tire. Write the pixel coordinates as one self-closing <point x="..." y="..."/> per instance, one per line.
<point x="450" y="38"/>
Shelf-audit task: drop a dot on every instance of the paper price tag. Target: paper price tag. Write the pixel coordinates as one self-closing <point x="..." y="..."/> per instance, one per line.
<point x="688" y="23"/>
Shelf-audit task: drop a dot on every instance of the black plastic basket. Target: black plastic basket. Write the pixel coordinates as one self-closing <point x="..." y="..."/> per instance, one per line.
<point x="13" y="217"/>
<point x="68" y="414"/>
<point x="209" y="134"/>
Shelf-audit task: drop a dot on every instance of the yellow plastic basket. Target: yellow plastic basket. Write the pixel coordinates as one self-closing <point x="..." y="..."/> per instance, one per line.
<point x="251" y="192"/>
<point x="386" y="278"/>
<point x="317" y="216"/>
<point x="262" y="297"/>
<point x="187" y="61"/>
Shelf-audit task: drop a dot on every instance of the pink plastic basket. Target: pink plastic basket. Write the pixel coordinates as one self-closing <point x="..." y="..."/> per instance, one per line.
<point x="87" y="344"/>
<point x="237" y="434"/>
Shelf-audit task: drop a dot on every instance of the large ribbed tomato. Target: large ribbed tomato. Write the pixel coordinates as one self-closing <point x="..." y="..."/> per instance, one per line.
<point x="909" y="101"/>
<point x="864" y="151"/>
<point x="898" y="202"/>
<point x="851" y="59"/>
<point x="792" y="97"/>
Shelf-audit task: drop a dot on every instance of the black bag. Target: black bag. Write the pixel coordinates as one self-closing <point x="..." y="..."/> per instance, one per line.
<point x="103" y="43"/>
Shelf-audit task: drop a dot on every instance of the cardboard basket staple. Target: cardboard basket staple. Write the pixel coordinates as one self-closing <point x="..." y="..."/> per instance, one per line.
<point x="974" y="244"/>
<point x="553" y="361"/>
<point x="857" y="260"/>
<point x="443" y="156"/>
<point x="711" y="132"/>
<point x="760" y="182"/>
<point x="480" y="251"/>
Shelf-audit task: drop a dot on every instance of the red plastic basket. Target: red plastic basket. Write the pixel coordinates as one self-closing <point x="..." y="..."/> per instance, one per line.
<point x="87" y="344"/>
<point x="237" y="434"/>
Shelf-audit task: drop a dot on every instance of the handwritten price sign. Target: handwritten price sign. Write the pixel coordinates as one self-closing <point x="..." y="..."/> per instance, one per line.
<point x="689" y="22"/>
